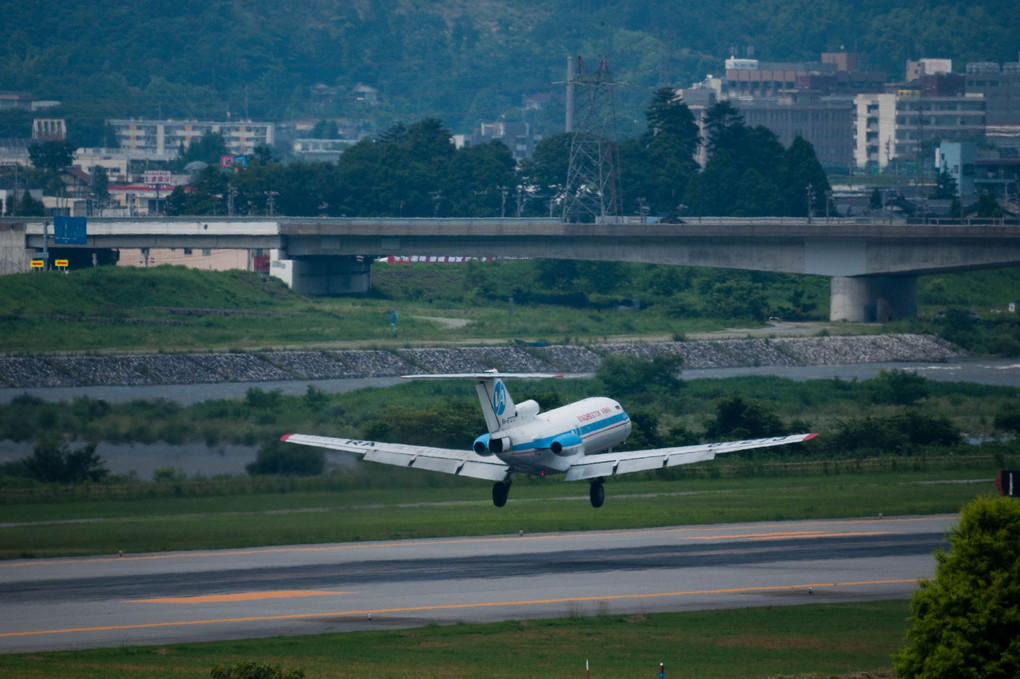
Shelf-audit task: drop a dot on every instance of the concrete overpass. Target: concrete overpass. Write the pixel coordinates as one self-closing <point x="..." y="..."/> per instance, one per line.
<point x="873" y="266"/>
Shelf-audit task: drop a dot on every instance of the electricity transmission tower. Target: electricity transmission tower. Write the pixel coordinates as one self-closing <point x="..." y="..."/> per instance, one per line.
<point x="592" y="189"/>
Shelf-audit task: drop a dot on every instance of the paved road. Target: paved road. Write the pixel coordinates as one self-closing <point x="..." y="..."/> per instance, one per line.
<point x="198" y="596"/>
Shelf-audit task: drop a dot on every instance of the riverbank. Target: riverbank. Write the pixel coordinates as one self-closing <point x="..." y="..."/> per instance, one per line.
<point x="126" y="370"/>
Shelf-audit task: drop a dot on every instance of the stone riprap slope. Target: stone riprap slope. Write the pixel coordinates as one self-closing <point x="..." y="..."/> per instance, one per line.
<point x="271" y="366"/>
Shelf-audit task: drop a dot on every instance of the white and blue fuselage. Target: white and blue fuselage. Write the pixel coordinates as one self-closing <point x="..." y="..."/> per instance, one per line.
<point x="550" y="442"/>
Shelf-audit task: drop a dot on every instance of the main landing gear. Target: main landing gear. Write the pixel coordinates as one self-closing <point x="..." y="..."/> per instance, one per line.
<point x="500" y="492"/>
<point x="597" y="493"/>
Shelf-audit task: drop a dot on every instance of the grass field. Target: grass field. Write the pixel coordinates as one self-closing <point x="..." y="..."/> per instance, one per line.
<point x="792" y="641"/>
<point x="139" y="524"/>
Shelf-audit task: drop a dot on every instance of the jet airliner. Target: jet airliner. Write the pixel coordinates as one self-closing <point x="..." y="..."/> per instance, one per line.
<point x="576" y="440"/>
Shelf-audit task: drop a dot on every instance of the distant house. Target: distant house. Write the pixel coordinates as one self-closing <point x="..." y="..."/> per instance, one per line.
<point x="365" y="94"/>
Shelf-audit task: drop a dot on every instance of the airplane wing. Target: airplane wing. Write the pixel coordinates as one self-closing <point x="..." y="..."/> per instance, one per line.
<point x="445" y="460"/>
<point x="625" y="462"/>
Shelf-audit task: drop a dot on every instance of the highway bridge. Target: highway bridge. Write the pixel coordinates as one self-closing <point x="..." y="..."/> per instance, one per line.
<point x="873" y="265"/>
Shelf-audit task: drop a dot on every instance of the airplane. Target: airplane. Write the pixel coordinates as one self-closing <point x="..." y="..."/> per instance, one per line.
<point x="576" y="440"/>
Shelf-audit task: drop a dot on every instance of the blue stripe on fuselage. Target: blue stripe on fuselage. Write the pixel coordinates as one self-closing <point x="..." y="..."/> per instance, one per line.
<point x="584" y="431"/>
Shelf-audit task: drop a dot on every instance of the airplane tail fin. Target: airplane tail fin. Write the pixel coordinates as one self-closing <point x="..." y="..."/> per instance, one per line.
<point x="497" y="405"/>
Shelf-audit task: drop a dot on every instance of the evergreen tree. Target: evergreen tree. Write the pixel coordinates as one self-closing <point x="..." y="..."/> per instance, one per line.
<point x="208" y="149"/>
<point x="100" y="186"/>
<point x="945" y="188"/>
<point x="966" y="622"/>
<point x="52" y="156"/>
<point x="988" y="207"/>
<point x="800" y="169"/>
<point x="668" y="114"/>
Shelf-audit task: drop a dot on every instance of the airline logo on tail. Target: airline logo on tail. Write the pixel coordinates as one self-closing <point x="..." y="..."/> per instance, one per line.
<point x="499" y="398"/>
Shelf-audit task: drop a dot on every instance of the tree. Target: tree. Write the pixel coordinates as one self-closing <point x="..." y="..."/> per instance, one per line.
<point x="945" y="188"/>
<point x="875" y="201"/>
<point x="545" y="173"/>
<point x="52" y="156"/>
<point x="800" y="169"/>
<point x="742" y="418"/>
<point x="988" y="207"/>
<point x="53" y="463"/>
<point x="901" y="387"/>
<point x="628" y="375"/>
<point x="208" y="148"/>
<point x="479" y="180"/>
<point x="722" y="122"/>
<point x="656" y="167"/>
<point x="205" y="196"/>
<point x="966" y="622"/>
<point x="28" y="206"/>
<point x="668" y="114"/>
<point x="100" y="186"/>
<point x="276" y="457"/>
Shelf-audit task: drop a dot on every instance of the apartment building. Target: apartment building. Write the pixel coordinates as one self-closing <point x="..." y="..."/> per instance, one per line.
<point x="897" y="125"/>
<point x="164" y="138"/>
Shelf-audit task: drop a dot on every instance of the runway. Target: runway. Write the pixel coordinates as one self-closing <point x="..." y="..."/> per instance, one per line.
<point x="179" y="597"/>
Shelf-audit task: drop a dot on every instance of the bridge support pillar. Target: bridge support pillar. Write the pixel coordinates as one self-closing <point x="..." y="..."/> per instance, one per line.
<point x="331" y="276"/>
<point x="869" y="299"/>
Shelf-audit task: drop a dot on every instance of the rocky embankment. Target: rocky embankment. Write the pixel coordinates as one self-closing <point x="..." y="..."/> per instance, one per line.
<point x="270" y="366"/>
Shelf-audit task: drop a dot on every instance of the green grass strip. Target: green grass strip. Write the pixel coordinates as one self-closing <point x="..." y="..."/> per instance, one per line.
<point x="786" y="641"/>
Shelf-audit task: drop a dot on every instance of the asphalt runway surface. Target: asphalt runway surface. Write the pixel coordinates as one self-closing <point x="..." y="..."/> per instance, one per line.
<point x="179" y="597"/>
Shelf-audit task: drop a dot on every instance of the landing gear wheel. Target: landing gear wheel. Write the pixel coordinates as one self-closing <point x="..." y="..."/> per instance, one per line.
<point x="500" y="492"/>
<point x="597" y="493"/>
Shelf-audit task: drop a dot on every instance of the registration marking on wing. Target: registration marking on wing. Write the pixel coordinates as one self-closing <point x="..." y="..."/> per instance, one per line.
<point x="240" y="596"/>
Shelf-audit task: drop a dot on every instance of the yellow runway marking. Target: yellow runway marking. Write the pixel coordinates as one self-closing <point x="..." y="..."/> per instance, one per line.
<point x="445" y="607"/>
<point x="683" y="532"/>
<point x="228" y="598"/>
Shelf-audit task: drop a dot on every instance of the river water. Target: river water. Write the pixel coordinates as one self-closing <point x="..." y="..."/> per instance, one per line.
<point x="198" y="459"/>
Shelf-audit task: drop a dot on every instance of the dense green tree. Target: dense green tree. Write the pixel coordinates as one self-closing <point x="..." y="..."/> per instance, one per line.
<point x="800" y="169"/>
<point x="988" y="207"/>
<point x="28" y="206"/>
<point x="713" y="191"/>
<point x="51" y="462"/>
<point x="737" y="417"/>
<point x="479" y="181"/>
<point x="629" y="375"/>
<point x="208" y="149"/>
<point x="723" y="125"/>
<point x="724" y="186"/>
<point x="668" y="114"/>
<point x="207" y="195"/>
<point x="875" y="201"/>
<point x="966" y="622"/>
<point x="945" y="187"/>
<point x="100" y="187"/>
<point x="276" y="457"/>
<point x="325" y="129"/>
<point x="544" y="175"/>
<point x="901" y="387"/>
<point x="52" y="156"/>
<point x="757" y="195"/>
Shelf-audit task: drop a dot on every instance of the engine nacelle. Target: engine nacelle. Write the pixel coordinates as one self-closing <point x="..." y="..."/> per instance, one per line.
<point x="485" y="445"/>
<point x="482" y="445"/>
<point x="566" y="444"/>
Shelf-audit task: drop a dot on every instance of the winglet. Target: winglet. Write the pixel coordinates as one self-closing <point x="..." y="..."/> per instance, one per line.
<point x="810" y="436"/>
<point x="285" y="437"/>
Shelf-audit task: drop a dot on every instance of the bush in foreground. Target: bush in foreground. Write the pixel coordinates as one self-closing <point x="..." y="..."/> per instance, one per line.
<point x="966" y="622"/>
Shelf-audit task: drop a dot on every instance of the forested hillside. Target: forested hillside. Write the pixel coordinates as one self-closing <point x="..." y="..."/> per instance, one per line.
<point x="461" y="62"/>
